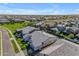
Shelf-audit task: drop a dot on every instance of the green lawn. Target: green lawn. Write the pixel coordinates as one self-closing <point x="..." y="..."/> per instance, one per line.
<point x="14" y="26"/>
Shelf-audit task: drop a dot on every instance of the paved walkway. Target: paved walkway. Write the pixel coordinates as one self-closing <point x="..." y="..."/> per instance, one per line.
<point x="21" y="53"/>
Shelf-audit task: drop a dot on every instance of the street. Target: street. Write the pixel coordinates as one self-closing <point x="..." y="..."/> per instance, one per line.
<point x="6" y="48"/>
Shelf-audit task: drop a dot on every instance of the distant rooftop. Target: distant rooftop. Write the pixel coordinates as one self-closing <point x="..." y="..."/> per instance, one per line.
<point x="18" y="19"/>
<point x="4" y="20"/>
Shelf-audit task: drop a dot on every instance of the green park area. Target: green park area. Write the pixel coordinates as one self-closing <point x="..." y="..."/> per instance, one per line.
<point x="16" y="25"/>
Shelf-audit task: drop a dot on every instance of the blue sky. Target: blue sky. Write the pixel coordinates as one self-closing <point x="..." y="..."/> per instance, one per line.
<point x="39" y="8"/>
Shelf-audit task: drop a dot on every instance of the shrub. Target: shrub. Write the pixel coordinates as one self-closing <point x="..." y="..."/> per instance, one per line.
<point x="71" y="36"/>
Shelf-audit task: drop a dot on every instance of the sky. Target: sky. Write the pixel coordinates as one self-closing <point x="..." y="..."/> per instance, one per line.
<point x="39" y="8"/>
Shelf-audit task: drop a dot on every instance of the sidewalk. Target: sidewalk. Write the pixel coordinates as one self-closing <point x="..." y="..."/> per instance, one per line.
<point x="21" y="53"/>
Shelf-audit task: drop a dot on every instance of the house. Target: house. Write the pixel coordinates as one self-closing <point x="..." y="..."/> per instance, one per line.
<point x="68" y="30"/>
<point x="27" y="38"/>
<point x="39" y="40"/>
<point x="39" y="23"/>
<point x="54" y="29"/>
<point x="3" y="20"/>
<point x="18" y="20"/>
<point x="25" y="30"/>
<point x="61" y="48"/>
<point x="61" y="27"/>
<point x="77" y="35"/>
<point x="75" y="30"/>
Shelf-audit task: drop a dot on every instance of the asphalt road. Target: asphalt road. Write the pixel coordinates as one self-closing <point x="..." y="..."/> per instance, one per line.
<point x="0" y="43"/>
<point x="6" y="44"/>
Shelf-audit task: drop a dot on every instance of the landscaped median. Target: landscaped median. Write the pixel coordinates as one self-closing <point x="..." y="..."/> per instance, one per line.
<point x="15" y="46"/>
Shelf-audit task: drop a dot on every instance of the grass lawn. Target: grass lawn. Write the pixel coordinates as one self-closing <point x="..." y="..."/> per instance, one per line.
<point x="15" y="46"/>
<point x="14" y="26"/>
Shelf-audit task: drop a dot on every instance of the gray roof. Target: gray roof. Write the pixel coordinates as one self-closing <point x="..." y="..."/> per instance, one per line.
<point x="67" y="49"/>
<point x="17" y="19"/>
<point x="4" y="20"/>
<point x="62" y="48"/>
<point x="26" y="30"/>
<point x="61" y="25"/>
<point x="54" y="29"/>
<point x="40" y="23"/>
<point x="74" y="28"/>
<point x="38" y="37"/>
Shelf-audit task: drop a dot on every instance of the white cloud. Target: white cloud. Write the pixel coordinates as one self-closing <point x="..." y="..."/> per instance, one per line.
<point x="53" y="10"/>
<point x="9" y="10"/>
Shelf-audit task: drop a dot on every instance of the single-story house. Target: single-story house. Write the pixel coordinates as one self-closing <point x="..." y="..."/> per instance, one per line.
<point x="77" y="35"/>
<point x="26" y="30"/>
<point x="61" y="27"/>
<point x="54" y="29"/>
<point x="3" y="20"/>
<point x="39" y="40"/>
<point x="39" y="24"/>
<point x="73" y="30"/>
<point x="68" y="30"/>
<point x="18" y="20"/>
